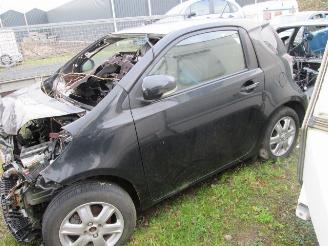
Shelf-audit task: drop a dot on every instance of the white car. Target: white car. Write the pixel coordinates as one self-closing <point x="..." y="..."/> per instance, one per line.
<point x="313" y="166"/>
<point x="267" y="10"/>
<point x="9" y="51"/>
<point x="205" y="9"/>
<point x="298" y="17"/>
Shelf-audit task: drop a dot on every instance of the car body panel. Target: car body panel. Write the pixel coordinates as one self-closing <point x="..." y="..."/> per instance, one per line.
<point x="200" y="119"/>
<point x="313" y="200"/>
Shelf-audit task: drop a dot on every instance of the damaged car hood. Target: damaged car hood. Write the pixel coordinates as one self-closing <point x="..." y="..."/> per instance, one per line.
<point x="29" y="104"/>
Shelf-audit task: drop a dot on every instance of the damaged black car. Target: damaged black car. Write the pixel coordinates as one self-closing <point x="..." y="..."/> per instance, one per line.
<point x="135" y="118"/>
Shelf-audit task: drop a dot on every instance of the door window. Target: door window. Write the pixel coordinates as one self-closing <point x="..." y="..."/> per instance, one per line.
<point x="202" y="58"/>
<point x="200" y="8"/>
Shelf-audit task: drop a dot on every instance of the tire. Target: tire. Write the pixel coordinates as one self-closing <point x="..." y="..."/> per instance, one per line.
<point x="102" y="198"/>
<point x="280" y="144"/>
<point x="6" y="60"/>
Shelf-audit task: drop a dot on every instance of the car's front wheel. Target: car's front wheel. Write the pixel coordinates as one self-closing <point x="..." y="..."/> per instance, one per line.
<point x="281" y="134"/>
<point x="91" y="213"/>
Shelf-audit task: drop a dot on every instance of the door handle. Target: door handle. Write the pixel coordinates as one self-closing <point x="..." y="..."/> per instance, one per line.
<point x="249" y="87"/>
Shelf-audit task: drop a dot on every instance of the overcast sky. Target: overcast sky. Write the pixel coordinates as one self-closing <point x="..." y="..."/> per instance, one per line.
<point x="26" y="5"/>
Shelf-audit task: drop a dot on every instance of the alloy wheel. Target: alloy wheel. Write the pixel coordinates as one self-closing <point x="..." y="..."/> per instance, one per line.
<point x="90" y="224"/>
<point x="282" y="136"/>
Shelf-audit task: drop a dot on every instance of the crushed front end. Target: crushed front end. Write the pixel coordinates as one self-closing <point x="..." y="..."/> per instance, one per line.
<point x="24" y="194"/>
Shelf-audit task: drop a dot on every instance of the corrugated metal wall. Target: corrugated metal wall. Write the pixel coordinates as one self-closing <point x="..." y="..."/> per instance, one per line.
<point x="80" y="10"/>
<point x="130" y="8"/>
<point x="160" y="7"/>
<point x="36" y="16"/>
<point x="12" y="18"/>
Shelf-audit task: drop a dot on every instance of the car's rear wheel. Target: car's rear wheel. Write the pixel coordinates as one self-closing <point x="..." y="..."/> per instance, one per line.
<point x="92" y="213"/>
<point x="281" y="134"/>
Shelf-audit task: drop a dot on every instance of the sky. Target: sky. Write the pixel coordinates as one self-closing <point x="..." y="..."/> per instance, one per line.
<point x="26" y="5"/>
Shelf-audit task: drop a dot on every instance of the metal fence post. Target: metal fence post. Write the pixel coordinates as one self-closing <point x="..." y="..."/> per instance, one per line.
<point x="114" y="14"/>
<point x="26" y="23"/>
<point x="149" y="8"/>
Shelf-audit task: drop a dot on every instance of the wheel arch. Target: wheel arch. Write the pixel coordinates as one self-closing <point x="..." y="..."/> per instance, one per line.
<point x="121" y="182"/>
<point x="295" y="105"/>
<point x="298" y="107"/>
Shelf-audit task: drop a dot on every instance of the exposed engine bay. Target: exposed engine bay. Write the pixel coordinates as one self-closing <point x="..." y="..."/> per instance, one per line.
<point x="86" y="80"/>
<point x="32" y="121"/>
<point x="90" y="89"/>
<point x="37" y="145"/>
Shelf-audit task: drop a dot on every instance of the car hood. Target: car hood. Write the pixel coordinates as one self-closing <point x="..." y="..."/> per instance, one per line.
<point x="28" y="104"/>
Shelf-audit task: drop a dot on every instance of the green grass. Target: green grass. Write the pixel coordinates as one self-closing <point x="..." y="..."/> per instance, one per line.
<point x="252" y="204"/>
<point x="49" y="60"/>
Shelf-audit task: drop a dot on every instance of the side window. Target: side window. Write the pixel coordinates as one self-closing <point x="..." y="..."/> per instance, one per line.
<point x="202" y="58"/>
<point x="200" y="8"/>
<point x="269" y="39"/>
<point x="318" y="16"/>
<point x="221" y="7"/>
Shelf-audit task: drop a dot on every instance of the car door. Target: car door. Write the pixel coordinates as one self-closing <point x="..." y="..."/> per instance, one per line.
<point x="313" y="166"/>
<point x="212" y="118"/>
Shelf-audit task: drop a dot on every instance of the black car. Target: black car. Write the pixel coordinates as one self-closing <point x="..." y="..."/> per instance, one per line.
<point x="138" y="116"/>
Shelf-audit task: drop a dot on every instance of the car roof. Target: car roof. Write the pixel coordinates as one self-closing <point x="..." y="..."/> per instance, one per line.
<point x="163" y="29"/>
<point x="180" y="8"/>
<point x="318" y="22"/>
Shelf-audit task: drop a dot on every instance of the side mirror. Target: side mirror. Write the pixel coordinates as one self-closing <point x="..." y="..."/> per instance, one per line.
<point x="154" y="86"/>
<point x="88" y="65"/>
<point x="192" y="14"/>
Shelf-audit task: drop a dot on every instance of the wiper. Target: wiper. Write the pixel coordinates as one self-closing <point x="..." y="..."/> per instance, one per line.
<point x="224" y="9"/>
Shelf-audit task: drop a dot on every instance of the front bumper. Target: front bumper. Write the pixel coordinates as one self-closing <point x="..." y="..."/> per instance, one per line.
<point x="19" y="224"/>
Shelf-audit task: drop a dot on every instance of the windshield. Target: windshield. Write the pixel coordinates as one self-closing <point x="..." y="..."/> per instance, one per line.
<point x="88" y="78"/>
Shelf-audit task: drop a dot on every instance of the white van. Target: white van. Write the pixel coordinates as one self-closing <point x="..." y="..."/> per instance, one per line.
<point x="9" y="51"/>
<point x="313" y="163"/>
